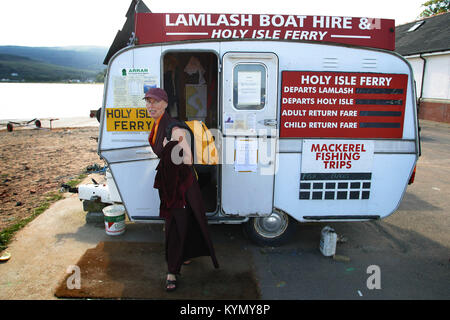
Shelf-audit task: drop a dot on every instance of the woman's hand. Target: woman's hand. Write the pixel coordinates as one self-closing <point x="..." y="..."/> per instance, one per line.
<point x="179" y="134"/>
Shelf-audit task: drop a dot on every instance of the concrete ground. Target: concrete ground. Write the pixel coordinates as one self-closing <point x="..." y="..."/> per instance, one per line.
<point x="410" y="249"/>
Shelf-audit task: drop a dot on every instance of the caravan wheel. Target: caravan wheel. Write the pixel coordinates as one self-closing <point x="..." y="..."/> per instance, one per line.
<point x="273" y="230"/>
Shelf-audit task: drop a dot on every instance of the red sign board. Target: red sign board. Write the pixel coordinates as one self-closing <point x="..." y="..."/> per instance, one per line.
<point x="342" y="104"/>
<point x="167" y="27"/>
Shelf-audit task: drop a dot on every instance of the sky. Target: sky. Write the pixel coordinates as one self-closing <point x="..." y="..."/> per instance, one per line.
<point x="49" y="23"/>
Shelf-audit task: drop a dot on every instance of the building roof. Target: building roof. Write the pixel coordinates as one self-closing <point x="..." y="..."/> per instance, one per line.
<point x="125" y="36"/>
<point x="423" y="36"/>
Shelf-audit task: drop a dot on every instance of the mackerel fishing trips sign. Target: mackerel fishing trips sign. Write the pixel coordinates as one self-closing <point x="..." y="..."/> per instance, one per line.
<point x="168" y="27"/>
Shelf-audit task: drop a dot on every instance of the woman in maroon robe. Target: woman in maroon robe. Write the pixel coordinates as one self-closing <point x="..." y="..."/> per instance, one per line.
<point x="186" y="228"/>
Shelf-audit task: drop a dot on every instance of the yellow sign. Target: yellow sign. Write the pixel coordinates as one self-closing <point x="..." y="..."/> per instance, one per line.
<point x="128" y="119"/>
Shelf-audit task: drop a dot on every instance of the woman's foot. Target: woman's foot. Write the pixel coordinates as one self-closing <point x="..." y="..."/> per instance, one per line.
<point x="171" y="282"/>
<point x="187" y="262"/>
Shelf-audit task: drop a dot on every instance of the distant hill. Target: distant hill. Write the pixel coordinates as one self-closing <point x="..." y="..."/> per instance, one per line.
<point x="51" y="63"/>
<point x="18" y="68"/>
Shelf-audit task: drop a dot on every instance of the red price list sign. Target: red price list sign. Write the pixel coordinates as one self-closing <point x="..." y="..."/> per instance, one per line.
<point x="342" y="104"/>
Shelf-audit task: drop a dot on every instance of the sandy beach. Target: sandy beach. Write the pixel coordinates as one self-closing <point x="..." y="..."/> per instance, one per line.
<point x="35" y="162"/>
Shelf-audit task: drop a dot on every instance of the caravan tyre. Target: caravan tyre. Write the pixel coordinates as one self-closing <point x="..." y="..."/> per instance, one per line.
<point x="274" y="230"/>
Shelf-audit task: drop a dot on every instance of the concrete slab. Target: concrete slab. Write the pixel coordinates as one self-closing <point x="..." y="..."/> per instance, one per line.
<point x="44" y="249"/>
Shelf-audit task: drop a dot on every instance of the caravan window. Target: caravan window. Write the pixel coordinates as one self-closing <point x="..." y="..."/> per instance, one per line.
<point x="249" y="86"/>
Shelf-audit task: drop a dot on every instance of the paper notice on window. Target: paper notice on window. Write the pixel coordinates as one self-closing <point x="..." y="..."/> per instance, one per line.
<point x="246" y="155"/>
<point x="249" y="88"/>
<point x="130" y="86"/>
<point x="240" y="123"/>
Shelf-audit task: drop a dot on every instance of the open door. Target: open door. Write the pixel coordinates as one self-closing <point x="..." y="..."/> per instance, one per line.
<point x="249" y="126"/>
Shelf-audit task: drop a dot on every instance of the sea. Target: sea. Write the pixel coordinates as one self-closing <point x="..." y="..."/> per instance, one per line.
<point x="26" y="101"/>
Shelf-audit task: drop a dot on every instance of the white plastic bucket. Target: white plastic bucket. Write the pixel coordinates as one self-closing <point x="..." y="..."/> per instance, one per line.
<point x="114" y="219"/>
<point x="328" y="241"/>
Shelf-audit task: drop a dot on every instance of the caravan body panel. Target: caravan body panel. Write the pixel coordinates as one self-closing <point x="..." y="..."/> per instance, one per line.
<point x="374" y="191"/>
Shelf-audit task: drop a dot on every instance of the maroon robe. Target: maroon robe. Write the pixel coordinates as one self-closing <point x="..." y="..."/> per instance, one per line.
<point x="187" y="234"/>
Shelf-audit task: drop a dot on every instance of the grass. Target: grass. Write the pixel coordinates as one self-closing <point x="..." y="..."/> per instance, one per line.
<point x="74" y="182"/>
<point x="7" y="233"/>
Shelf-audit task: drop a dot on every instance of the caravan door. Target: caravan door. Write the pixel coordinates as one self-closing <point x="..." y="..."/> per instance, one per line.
<point x="250" y="129"/>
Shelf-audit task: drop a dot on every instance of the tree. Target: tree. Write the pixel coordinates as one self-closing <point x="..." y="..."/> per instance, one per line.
<point x="434" y="7"/>
<point x="100" y="77"/>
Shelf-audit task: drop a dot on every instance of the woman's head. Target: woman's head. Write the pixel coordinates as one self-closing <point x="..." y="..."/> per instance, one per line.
<point x="156" y="102"/>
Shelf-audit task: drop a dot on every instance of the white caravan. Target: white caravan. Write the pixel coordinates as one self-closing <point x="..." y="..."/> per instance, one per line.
<point x="314" y="117"/>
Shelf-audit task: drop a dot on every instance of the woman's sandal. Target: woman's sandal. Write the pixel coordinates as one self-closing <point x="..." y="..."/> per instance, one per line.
<point x="171" y="285"/>
<point x="187" y="262"/>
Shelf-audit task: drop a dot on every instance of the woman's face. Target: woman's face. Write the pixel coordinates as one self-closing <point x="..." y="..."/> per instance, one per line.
<point x="155" y="108"/>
